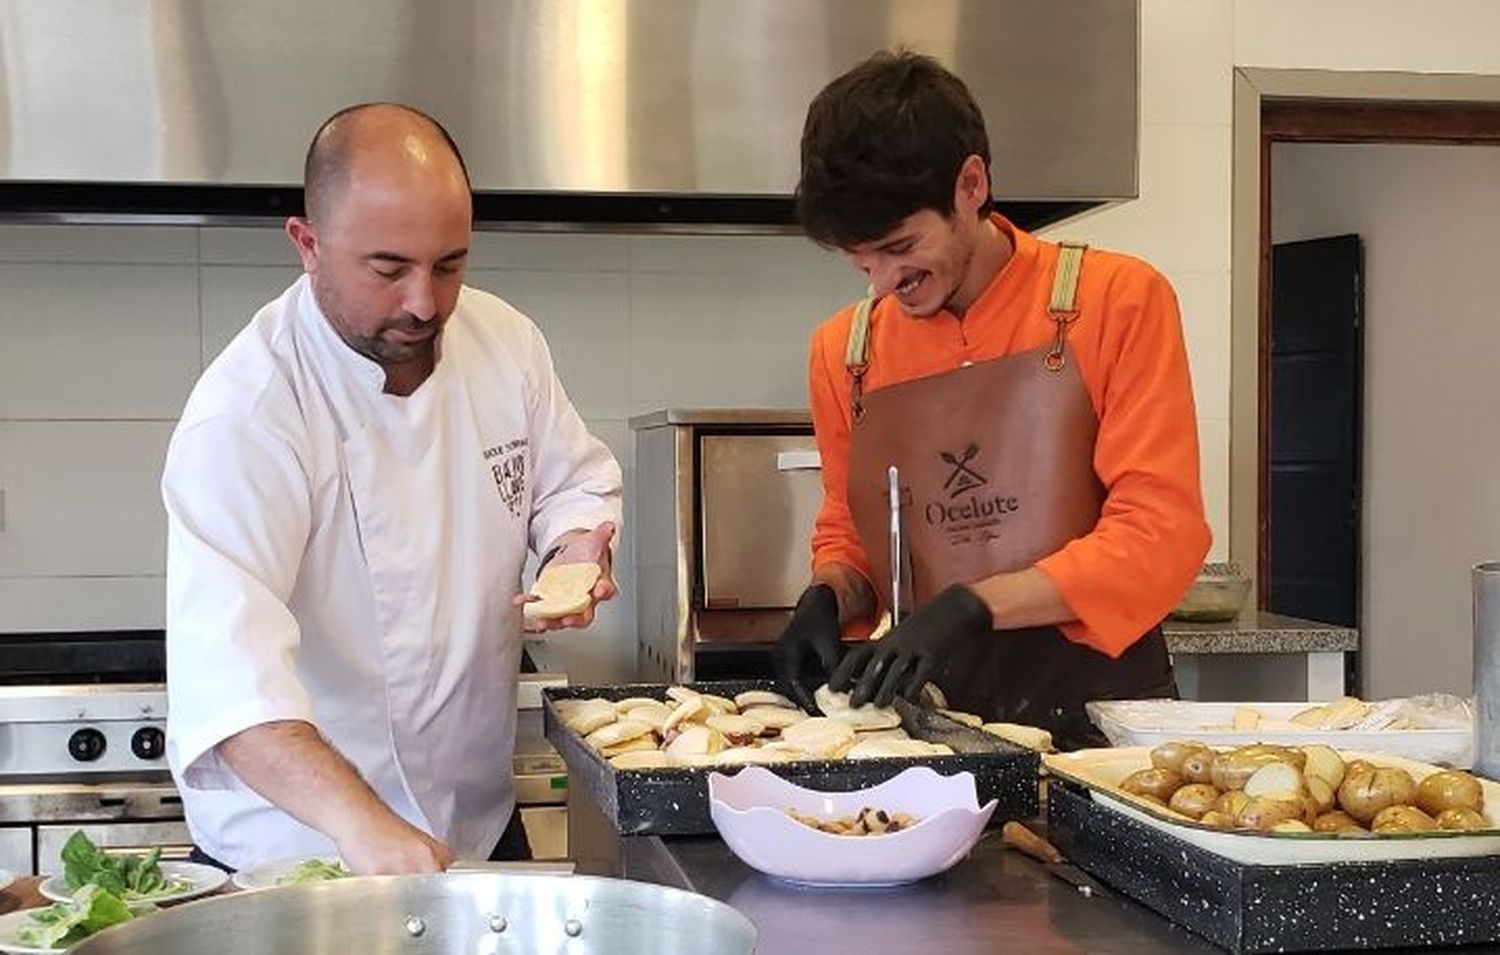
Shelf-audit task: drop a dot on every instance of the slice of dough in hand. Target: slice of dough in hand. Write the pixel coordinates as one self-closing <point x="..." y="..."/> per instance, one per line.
<point x="565" y="589"/>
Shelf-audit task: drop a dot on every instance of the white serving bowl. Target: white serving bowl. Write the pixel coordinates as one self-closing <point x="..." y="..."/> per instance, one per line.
<point x="749" y="809"/>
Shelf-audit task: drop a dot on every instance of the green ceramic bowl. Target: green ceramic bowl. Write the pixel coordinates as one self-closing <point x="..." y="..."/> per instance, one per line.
<point x="1217" y="595"/>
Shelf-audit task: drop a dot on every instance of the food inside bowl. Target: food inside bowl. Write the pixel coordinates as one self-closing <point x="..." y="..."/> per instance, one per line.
<point x="866" y="822"/>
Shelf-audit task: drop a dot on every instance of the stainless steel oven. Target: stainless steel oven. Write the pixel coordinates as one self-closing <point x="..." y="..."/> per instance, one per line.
<point x="724" y="507"/>
<point x="92" y="757"/>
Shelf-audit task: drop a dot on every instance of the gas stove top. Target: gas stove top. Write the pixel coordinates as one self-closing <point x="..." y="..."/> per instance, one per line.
<point x="83" y="732"/>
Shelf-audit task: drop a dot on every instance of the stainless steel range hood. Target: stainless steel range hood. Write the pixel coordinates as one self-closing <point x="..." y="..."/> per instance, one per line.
<point x="570" y="112"/>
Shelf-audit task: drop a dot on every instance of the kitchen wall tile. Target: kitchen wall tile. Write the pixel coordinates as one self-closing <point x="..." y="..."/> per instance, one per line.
<point x="137" y="244"/>
<point x="724" y="340"/>
<point x="247" y="245"/>
<point x="616" y="433"/>
<point x="584" y="317"/>
<point x="97" y="341"/>
<point x="1213" y="448"/>
<point x="549" y="252"/>
<point x="535" y="251"/>
<point x="769" y="255"/>
<point x="1203" y="298"/>
<point x="230" y="297"/>
<point x="82" y="498"/>
<point x="1181" y="221"/>
<point x="49" y="604"/>
<point x="1186" y="47"/>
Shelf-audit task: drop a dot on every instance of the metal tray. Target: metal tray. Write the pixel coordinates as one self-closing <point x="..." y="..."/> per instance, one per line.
<point x="675" y="801"/>
<point x="1411" y="903"/>
<point x="1150" y="722"/>
<point x="1101" y="770"/>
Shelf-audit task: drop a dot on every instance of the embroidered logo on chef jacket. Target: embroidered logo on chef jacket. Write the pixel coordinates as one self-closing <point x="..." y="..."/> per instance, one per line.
<point x="508" y="466"/>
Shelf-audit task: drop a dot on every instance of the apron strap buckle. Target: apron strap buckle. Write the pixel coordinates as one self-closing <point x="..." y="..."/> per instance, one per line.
<point x="1056" y="358"/>
<point x="1063" y="306"/>
<point x="857" y="355"/>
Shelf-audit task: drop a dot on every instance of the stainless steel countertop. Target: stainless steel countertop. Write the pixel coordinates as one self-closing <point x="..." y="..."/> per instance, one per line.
<point x="994" y="900"/>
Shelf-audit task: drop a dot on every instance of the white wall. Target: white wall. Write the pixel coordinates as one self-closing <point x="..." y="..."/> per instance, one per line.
<point x="704" y="321"/>
<point x="1180" y="222"/>
<point x="103" y="331"/>
<point x="1428" y="218"/>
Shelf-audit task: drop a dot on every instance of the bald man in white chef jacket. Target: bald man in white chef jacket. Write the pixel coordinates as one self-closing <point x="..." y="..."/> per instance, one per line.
<point x="351" y="494"/>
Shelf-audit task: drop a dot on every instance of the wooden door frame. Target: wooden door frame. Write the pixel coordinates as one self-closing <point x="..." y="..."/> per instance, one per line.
<point x="1322" y="121"/>
<point x="1311" y="106"/>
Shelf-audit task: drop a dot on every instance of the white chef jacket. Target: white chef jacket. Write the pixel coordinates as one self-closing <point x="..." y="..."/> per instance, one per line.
<point x="348" y="558"/>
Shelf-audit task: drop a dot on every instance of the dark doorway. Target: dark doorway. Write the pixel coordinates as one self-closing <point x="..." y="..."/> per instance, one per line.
<point x="1311" y="561"/>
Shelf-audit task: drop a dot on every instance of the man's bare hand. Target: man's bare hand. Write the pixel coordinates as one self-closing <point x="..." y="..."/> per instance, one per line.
<point x="392" y="846"/>
<point x="580" y="547"/>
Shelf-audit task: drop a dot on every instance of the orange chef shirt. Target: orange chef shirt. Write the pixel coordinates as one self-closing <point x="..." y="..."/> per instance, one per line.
<point x="1121" y="579"/>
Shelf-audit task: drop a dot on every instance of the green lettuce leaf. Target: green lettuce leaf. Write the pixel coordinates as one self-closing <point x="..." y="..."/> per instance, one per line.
<point x="127" y="877"/>
<point x="91" y="910"/>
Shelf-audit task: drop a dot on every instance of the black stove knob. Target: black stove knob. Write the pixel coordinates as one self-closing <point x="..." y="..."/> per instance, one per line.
<point x="148" y="742"/>
<point x="86" y="745"/>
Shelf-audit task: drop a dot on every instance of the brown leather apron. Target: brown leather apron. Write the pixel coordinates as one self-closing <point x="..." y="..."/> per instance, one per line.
<point x="996" y="467"/>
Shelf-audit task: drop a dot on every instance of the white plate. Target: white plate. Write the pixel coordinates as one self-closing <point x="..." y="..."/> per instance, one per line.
<point x="265" y="875"/>
<point x="1151" y="722"/>
<point x="10" y="928"/>
<point x="1102" y="770"/>
<point x="202" y="879"/>
<point x="749" y="809"/>
<point x="7" y="878"/>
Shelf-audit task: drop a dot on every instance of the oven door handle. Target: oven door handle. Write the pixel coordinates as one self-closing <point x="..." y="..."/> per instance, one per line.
<point x="798" y="461"/>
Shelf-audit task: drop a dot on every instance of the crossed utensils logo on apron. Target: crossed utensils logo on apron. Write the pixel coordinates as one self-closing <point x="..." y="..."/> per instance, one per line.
<point x="965" y="514"/>
<point x="509" y="472"/>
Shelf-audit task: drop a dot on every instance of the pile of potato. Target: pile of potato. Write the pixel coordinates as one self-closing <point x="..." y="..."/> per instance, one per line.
<point x="1311" y="788"/>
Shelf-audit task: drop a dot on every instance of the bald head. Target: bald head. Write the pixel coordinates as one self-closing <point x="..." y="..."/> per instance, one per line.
<point x="374" y="138"/>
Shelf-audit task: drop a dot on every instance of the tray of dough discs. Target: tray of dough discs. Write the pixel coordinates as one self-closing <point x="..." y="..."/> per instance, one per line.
<point x="643" y="752"/>
<point x="1353" y="882"/>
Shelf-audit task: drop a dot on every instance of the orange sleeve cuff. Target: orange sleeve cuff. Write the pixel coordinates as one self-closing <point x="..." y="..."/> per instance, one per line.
<point x="1103" y="624"/>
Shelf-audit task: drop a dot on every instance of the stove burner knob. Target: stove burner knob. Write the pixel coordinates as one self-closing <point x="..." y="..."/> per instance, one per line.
<point x="148" y="742"/>
<point x="86" y="745"/>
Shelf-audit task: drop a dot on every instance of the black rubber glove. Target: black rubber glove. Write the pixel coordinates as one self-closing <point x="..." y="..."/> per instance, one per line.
<point x="904" y="660"/>
<point x="809" y="647"/>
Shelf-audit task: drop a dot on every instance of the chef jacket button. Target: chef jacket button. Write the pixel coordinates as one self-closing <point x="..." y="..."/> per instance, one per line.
<point x="1058" y="711"/>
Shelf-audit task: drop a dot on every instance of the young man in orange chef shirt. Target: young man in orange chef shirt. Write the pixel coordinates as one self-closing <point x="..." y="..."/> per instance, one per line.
<point x="1036" y="403"/>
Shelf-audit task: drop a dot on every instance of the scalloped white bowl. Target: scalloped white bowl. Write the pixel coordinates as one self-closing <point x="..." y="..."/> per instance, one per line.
<point x="749" y="809"/>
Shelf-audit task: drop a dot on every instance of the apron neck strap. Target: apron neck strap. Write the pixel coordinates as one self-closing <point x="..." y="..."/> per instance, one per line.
<point x="1063" y="306"/>
<point x="857" y="353"/>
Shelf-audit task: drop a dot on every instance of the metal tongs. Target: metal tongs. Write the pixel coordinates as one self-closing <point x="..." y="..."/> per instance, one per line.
<point x="893" y="480"/>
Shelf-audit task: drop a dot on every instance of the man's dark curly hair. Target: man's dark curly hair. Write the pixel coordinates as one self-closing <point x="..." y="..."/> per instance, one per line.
<point x="884" y="141"/>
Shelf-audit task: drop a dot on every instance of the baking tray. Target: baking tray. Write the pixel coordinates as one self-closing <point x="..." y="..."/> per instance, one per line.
<point x="1262" y="892"/>
<point x="1100" y="771"/>
<point x="1412" y="903"/>
<point x="1151" y="722"/>
<point x="673" y="802"/>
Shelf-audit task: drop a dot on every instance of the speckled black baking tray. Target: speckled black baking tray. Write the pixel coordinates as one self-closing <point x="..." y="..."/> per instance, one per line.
<point x="1278" y="908"/>
<point x="674" y="802"/>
